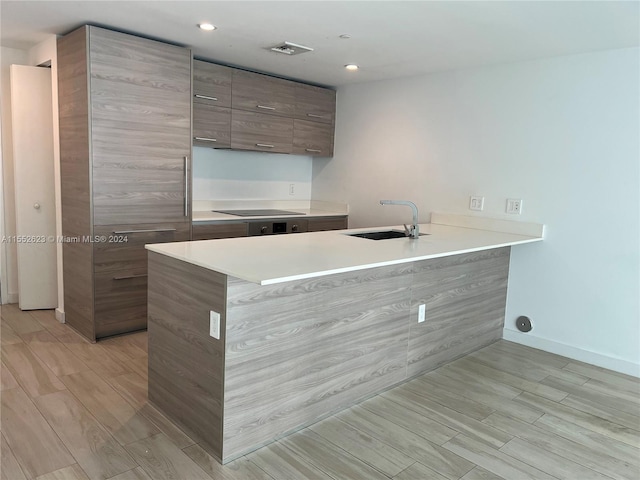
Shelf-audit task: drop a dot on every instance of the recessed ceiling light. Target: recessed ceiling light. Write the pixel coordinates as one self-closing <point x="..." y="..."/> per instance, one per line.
<point x="351" y="66"/>
<point x="345" y="36"/>
<point x="207" y="26"/>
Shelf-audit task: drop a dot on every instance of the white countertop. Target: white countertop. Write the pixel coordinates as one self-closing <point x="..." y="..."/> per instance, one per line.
<point x="281" y="258"/>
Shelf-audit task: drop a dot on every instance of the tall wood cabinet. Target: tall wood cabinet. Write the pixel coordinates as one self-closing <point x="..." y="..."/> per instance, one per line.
<point x="125" y="148"/>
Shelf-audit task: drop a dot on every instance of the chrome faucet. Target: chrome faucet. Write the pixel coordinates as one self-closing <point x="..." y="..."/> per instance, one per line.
<point x="413" y="231"/>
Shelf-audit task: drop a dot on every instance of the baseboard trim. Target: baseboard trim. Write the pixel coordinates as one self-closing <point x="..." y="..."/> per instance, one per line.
<point x="60" y="315"/>
<point x="586" y="356"/>
<point x="12" y="297"/>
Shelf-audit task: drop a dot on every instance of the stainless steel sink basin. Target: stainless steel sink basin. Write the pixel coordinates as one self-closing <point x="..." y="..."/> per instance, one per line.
<point x="385" y="235"/>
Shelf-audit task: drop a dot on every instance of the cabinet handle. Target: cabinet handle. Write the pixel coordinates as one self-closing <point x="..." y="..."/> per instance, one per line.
<point x="314" y="150"/>
<point x="127" y="277"/>
<point x="206" y="97"/>
<point x="151" y="230"/>
<point x="186" y="186"/>
<point x="313" y="115"/>
<point x="264" y="145"/>
<point x="264" y="107"/>
<point x="205" y="139"/>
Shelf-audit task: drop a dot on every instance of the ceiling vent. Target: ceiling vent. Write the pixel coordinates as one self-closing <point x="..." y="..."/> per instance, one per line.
<point x="289" y="48"/>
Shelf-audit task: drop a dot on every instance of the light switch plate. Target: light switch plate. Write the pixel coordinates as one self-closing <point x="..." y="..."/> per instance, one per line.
<point x="421" y="311"/>
<point x="214" y="324"/>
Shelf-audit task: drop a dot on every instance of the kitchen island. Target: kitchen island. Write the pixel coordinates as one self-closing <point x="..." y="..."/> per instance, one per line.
<point x="311" y="323"/>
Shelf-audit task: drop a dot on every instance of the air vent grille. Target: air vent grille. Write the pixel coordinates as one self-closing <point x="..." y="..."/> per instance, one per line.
<point x="289" y="48"/>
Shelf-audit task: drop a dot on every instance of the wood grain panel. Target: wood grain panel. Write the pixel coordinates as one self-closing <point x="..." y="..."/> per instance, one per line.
<point x="186" y="365"/>
<point x="120" y="274"/>
<point x="34" y="444"/>
<point x="312" y="138"/>
<point x="324" y="223"/>
<point x="252" y="90"/>
<point x="315" y="103"/>
<point x="222" y="230"/>
<point x="261" y="132"/>
<point x="315" y="346"/>
<point x="465" y="298"/>
<point x="211" y="126"/>
<point x="213" y="81"/>
<point x="141" y="128"/>
<point x="75" y="179"/>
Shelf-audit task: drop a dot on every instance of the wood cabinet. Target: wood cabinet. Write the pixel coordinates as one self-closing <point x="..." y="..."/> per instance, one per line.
<point x="203" y="231"/>
<point x="312" y="138"/>
<point x="261" y="132"/>
<point x="125" y="147"/>
<point x="315" y="103"/>
<point x="262" y="93"/>
<point x="267" y="114"/>
<point x="320" y="224"/>
<point x="211" y="105"/>
<point x="212" y="84"/>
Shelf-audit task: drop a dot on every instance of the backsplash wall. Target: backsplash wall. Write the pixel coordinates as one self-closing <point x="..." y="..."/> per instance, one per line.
<point x="234" y="175"/>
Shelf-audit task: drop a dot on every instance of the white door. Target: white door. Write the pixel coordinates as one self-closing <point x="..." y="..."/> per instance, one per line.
<point x="32" y="122"/>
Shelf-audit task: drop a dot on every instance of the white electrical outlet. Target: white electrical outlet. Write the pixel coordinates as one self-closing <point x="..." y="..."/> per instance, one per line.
<point x="514" y="206"/>
<point x="476" y="203"/>
<point x="292" y="189"/>
<point x="421" y="310"/>
<point x="214" y="324"/>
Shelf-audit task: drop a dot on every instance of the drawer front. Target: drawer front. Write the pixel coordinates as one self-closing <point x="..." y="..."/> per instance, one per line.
<point x="120" y="303"/>
<point x="312" y="138"/>
<point x="123" y="251"/>
<point x="264" y="94"/>
<point x="222" y="230"/>
<point x="211" y="126"/>
<point x="322" y="224"/>
<point x="315" y="104"/>
<point x="211" y="84"/>
<point x="261" y="132"/>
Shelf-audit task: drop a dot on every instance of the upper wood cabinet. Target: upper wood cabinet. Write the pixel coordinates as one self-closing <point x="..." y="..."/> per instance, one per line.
<point x="315" y="103"/>
<point x="263" y="94"/>
<point x="212" y="84"/>
<point x="261" y="132"/>
<point x="267" y="114"/>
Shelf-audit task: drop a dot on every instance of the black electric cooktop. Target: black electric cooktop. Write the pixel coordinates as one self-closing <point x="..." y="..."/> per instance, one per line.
<point x="258" y="213"/>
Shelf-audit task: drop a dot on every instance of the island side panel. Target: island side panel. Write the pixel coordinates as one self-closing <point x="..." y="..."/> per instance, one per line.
<point x="186" y="365"/>
<point x="465" y="298"/>
<point x="300" y="350"/>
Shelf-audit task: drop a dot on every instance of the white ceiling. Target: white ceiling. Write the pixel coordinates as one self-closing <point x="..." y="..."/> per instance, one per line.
<point x="389" y="38"/>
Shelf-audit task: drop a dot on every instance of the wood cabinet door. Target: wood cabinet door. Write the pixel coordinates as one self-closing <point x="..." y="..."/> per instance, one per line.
<point x="315" y="103"/>
<point x="260" y="132"/>
<point x="322" y="224"/>
<point x="211" y="84"/>
<point x="140" y="129"/>
<point x="261" y="93"/>
<point x="312" y="138"/>
<point x="221" y="230"/>
<point x="211" y="126"/>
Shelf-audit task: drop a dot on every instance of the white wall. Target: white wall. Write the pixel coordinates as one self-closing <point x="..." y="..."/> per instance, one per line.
<point x="560" y="133"/>
<point x="8" y="56"/>
<point x="233" y="175"/>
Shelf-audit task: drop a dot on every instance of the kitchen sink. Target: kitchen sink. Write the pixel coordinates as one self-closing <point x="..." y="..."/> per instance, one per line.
<point x="385" y="235"/>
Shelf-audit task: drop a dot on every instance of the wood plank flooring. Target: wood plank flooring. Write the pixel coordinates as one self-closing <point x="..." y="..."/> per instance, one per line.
<point x="76" y="411"/>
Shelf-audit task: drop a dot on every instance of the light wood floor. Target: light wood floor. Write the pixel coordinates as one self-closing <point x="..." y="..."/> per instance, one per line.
<point x="72" y="410"/>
